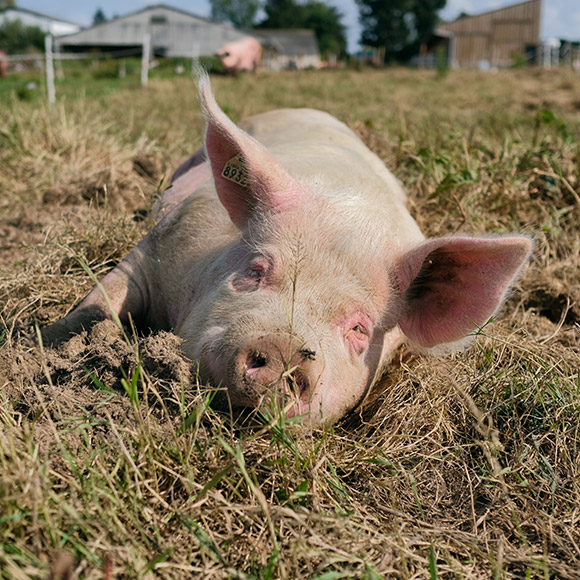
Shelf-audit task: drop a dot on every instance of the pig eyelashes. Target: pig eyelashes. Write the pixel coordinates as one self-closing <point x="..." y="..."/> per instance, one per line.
<point x="254" y="276"/>
<point x="358" y="338"/>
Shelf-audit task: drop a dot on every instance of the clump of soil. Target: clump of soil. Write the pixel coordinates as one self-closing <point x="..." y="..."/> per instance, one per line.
<point x="91" y="373"/>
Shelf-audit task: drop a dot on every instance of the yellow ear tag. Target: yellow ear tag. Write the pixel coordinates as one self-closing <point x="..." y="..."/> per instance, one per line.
<point x="235" y="170"/>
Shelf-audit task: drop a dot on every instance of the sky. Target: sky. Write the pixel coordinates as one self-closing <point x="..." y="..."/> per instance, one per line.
<point x="560" y="18"/>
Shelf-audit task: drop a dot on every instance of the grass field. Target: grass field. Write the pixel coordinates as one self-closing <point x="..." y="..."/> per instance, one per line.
<point x="112" y="463"/>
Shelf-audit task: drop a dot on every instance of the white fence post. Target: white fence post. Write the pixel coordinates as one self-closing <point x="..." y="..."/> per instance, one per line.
<point x="58" y="70"/>
<point x="194" y="56"/>
<point x="546" y="56"/>
<point x="49" y="65"/>
<point x="145" y="60"/>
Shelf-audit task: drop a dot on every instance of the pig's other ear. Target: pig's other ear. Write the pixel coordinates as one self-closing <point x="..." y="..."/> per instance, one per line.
<point x="246" y="175"/>
<point x="453" y="285"/>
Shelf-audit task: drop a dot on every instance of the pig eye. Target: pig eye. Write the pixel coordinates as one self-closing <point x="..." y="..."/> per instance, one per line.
<point x="256" y="273"/>
<point x="253" y="276"/>
<point x="359" y="330"/>
<point x="258" y="268"/>
<point x="357" y="337"/>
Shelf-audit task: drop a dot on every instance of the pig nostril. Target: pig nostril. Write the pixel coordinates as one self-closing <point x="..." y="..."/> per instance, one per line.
<point x="256" y="360"/>
<point x="297" y="382"/>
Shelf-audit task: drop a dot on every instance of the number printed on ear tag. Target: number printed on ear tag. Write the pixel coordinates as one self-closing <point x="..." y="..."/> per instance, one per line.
<point x="235" y="171"/>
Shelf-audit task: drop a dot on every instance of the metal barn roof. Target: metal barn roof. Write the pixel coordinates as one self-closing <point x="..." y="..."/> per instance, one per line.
<point x="49" y="24"/>
<point x="173" y="32"/>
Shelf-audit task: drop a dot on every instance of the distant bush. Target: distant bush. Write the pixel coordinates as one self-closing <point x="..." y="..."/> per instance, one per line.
<point x="519" y="60"/>
<point x="111" y="68"/>
<point x="169" y="66"/>
<point x="27" y="92"/>
<point x="212" y="64"/>
<point x="17" y="38"/>
<point x="106" y="69"/>
<point x="442" y="63"/>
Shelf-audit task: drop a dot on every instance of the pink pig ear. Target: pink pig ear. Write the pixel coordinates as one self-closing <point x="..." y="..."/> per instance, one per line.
<point x="452" y="285"/>
<point x="246" y="175"/>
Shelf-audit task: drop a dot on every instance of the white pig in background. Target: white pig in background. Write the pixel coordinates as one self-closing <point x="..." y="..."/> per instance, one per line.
<point x="288" y="263"/>
<point x="241" y="55"/>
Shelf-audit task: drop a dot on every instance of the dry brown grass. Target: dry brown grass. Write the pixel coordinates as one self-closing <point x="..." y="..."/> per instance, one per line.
<point x="112" y="462"/>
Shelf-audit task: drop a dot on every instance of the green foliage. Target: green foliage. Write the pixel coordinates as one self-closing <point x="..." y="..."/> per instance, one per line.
<point x="519" y="60"/>
<point x="99" y="17"/>
<point x="17" y="38"/>
<point x="398" y="25"/>
<point x="7" y="4"/>
<point x="281" y="14"/>
<point x="325" y="20"/>
<point x="27" y="92"/>
<point x="212" y="64"/>
<point x="106" y="69"/>
<point x="241" y="13"/>
<point x="546" y="117"/>
<point x="442" y="64"/>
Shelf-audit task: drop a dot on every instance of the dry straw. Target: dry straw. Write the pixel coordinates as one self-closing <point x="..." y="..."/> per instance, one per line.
<point x="113" y="463"/>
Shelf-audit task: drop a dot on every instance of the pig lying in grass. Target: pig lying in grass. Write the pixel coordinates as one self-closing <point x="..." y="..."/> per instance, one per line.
<point x="288" y="263"/>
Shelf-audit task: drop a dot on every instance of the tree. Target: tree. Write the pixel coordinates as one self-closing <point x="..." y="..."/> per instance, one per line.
<point x="398" y="25"/>
<point x="240" y="13"/>
<point x="315" y="15"/>
<point x="16" y="38"/>
<point x="7" y="4"/>
<point x="99" y="17"/>
<point x="329" y="30"/>
<point x="281" y="14"/>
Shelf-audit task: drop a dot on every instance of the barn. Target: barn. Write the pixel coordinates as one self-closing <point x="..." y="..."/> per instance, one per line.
<point x="173" y="32"/>
<point x="288" y="49"/>
<point x="497" y="39"/>
<point x="176" y="33"/>
<point x="50" y="25"/>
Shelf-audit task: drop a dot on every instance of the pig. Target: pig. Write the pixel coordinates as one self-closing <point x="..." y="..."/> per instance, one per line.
<point x="241" y="55"/>
<point x="3" y="64"/>
<point x="286" y="260"/>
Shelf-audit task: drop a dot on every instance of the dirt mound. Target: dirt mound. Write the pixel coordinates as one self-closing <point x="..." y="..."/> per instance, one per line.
<point x="102" y="375"/>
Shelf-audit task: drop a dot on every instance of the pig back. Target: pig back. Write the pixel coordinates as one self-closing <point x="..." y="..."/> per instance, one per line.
<point x="326" y="156"/>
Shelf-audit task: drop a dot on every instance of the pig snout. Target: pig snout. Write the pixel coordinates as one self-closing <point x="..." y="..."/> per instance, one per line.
<point x="277" y="365"/>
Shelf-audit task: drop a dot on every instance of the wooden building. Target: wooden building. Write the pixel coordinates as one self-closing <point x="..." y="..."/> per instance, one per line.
<point x="497" y="39"/>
